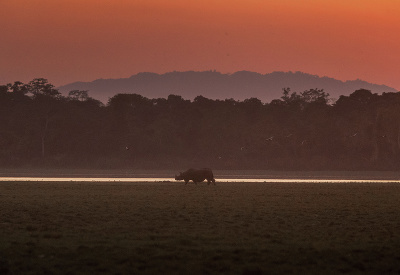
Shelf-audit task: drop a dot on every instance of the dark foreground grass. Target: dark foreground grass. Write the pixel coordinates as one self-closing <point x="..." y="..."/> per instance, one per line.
<point x="230" y="228"/>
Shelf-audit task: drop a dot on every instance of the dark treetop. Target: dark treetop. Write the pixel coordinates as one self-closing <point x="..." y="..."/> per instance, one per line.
<point x="40" y="127"/>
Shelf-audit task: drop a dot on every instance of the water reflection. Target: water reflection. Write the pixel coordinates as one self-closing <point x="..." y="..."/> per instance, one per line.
<point x="166" y="180"/>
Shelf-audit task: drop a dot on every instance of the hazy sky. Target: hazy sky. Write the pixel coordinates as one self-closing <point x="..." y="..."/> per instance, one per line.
<point x="82" y="40"/>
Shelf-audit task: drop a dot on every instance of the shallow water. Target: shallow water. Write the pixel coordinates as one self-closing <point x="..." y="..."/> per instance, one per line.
<point x="131" y="175"/>
<point x="220" y="175"/>
<point x="167" y="180"/>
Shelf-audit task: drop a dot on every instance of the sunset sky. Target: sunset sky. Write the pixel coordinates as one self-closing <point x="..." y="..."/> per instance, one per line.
<point x="83" y="40"/>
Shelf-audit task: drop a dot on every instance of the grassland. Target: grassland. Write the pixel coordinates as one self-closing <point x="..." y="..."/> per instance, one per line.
<point x="234" y="228"/>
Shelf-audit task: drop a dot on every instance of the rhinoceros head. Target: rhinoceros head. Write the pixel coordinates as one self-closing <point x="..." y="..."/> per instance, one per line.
<point x="179" y="177"/>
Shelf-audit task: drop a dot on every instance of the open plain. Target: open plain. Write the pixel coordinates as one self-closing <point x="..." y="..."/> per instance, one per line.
<point x="232" y="227"/>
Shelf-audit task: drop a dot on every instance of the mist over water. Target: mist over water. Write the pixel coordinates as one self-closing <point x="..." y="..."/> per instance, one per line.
<point x="169" y="180"/>
<point x="221" y="176"/>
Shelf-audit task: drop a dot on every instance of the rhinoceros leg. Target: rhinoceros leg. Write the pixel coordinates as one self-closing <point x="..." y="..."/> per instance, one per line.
<point x="186" y="182"/>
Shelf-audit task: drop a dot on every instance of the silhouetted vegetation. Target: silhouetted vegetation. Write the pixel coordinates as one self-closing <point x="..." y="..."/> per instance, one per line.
<point x="40" y="127"/>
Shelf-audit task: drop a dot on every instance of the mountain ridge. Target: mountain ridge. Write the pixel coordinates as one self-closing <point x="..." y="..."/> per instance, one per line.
<point x="215" y="85"/>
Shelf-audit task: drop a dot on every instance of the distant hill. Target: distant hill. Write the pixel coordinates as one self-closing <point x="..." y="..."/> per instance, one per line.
<point x="215" y="85"/>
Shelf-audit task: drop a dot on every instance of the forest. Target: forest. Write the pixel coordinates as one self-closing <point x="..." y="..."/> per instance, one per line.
<point x="40" y="127"/>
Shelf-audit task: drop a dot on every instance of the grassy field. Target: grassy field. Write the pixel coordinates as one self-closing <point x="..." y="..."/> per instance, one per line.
<point x="230" y="228"/>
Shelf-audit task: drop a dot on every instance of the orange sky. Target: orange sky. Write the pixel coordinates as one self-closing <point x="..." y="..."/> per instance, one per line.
<point x="82" y="40"/>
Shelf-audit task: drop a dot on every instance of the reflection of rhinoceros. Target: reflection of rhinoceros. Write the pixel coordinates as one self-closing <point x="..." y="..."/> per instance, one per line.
<point x="196" y="175"/>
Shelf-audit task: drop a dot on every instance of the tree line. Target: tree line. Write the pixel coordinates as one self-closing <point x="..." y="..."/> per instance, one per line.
<point x="299" y="131"/>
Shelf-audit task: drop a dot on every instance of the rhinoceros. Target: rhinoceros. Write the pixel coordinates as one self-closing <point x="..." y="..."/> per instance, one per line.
<point x="196" y="175"/>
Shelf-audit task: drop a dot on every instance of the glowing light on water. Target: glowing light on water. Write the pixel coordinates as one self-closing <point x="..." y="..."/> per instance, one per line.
<point x="170" y="180"/>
